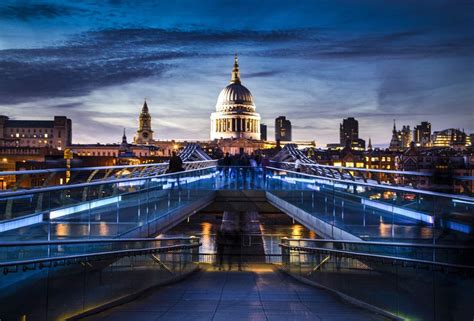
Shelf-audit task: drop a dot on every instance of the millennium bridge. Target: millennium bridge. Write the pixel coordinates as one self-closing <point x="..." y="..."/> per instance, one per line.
<point x="92" y="243"/>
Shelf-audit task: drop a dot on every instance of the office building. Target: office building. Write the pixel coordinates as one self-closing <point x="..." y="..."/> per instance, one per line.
<point x="263" y="132"/>
<point x="55" y="134"/>
<point x="422" y="134"/>
<point x="282" y="129"/>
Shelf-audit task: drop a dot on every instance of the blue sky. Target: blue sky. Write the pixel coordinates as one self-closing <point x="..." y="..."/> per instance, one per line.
<point x="314" y="61"/>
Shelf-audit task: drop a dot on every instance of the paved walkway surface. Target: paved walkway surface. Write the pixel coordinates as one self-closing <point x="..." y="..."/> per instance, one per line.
<point x="259" y="294"/>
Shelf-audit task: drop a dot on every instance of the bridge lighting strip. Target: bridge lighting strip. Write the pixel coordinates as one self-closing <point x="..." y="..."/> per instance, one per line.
<point x="21" y="222"/>
<point x="400" y="211"/>
<point x="83" y="207"/>
<point x="455" y="226"/>
<point x="462" y="202"/>
<point x="132" y="183"/>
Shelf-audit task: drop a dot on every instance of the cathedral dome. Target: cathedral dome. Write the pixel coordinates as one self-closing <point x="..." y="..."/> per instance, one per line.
<point x="234" y="94"/>
<point x="235" y="115"/>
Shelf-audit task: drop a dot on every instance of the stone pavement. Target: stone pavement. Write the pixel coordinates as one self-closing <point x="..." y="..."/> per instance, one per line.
<point x="260" y="293"/>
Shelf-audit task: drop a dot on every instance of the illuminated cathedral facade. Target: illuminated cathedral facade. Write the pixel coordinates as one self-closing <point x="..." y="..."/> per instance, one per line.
<point x="235" y="116"/>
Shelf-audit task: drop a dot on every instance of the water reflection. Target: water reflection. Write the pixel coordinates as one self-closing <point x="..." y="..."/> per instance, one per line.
<point x="296" y="231"/>
<point x="207" y="238"/>
<point x="63" y="229"/>
<point x="103" y="229"/>
<point x="272" y="228"/>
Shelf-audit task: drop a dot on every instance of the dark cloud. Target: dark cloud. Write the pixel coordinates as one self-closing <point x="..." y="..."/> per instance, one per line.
<point x="115" y="56"/>
<point x="26" y="80"/>
<point x="408" y="44"/>
<point x="108" y="57"/>
<point x="65" y="106"/>
<point x="28" y="11"/>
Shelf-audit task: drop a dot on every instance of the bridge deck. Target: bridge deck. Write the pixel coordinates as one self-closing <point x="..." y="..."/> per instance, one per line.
<point x="258" y="293"/>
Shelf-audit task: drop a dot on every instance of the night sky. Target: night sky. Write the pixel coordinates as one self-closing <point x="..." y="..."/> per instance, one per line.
<point x="315" y="62"/>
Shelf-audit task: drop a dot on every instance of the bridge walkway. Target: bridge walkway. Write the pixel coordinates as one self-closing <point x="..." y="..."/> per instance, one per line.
<point x="259" y="293"/>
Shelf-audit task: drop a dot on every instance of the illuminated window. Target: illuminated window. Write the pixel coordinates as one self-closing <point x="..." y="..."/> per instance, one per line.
<point x="349" y="164"/>
<point x="337" y="164"/>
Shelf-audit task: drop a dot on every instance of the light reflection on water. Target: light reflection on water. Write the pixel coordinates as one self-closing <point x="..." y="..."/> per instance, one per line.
<point x="103" y="229"/>
<point x="272" y="231"/>
<point x="207" y="238"/>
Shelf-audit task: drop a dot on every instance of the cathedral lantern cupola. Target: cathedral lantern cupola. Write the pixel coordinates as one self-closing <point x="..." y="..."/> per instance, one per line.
<point x="144" y="133"/>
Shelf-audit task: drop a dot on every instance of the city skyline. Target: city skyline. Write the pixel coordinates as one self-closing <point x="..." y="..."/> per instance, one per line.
<point x="416" y="67"/>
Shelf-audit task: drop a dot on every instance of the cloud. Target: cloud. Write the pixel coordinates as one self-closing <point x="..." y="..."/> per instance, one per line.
<point x="109" y="57"/>
<point x="264" y="74"/>
<point x="24" y="11"/>
<point x="391" y="67"/>
<point x="115" y="56"/>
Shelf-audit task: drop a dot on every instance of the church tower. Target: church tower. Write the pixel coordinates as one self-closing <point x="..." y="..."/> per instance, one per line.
<point x="395" y="142"/>
<point x="144" y="133"/>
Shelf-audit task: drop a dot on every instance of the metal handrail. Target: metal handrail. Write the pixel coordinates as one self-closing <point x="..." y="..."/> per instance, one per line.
<point x="76" y="241"/>
<point x="432" y="246"/>
<point x="94" y="183"/>
<point x="377" y="256"/>
<point x="361" y="169"/>
<point x="98" y="254"/>
<point x="382" y="186"/>
<point x="75" y="169"/>
<point x="464" y="178"/>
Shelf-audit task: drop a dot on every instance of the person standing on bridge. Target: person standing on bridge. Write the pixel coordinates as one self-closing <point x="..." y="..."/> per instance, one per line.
<point x="227" y="163"/>
<point x="176" y="164"/>
<point x="298" y="164"/>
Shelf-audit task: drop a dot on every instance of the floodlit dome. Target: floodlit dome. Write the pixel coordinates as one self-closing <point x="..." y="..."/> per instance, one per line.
<point x="235" y="115"/>
<point x="234" y="94"/>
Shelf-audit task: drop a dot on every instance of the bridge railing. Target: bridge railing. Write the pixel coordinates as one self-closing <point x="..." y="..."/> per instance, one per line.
<point x="100" y="208"/>
<point x="29" y="255"/>
<point x="30" y="179"/>
<point x="413" y="179"/>
<point x="110" y="207"/>
<point x="373" y="211"/>
<point x="450" y="254"/>
<point x="408" y="288"/>
<point x="74" y="278"/>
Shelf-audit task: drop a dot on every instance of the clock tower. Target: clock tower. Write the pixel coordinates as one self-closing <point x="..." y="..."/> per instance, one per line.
<point x="144" y="133"/>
